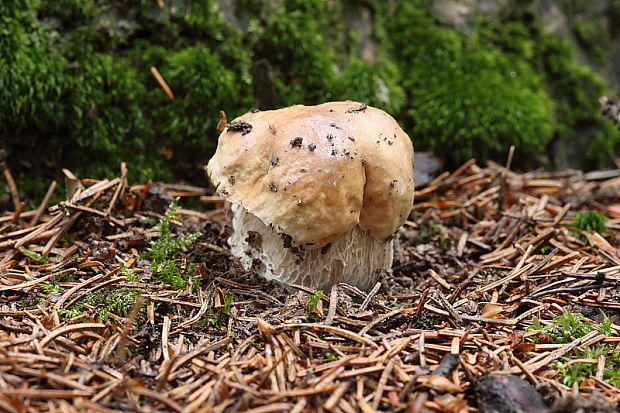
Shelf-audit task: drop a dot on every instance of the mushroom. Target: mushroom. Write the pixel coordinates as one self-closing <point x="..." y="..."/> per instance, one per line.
<point x="317" y="192"/>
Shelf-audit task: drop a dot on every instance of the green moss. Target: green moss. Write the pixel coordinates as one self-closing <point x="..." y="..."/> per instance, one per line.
<point x="508" y="82"/>
<point x="104" y="112"/>
<point x="546" y="249"/>
<point x="565" y="327"/>
<point x="569" y="326"/>
<point x="129" y="273"/>
<point x="576" y="90"/>
<point x="75" y="113"/>
<point x="76" y="82"/>
<point x="82" y="96"/>
<point x="219" y="318"/>
<point x="374" y="84"/>
<point x="577" y="372"/>
<point x="72" y="312"/>
<point x="575" y="87"/>
<point x="605" y="145"/>
<point x="614" y="17"/>
<point x="49" y="288"/>
<point x="589" y="221"/>
<point x="586" y="23"/>
<point x="117" y="301"/>
<point x="223" y="89"/>
<point x="466" y="94"/>
<point x="30" y="76"/>
<point x="35" y="256"/>
<point x="208" y="70"/>
<point x="293" y="43"/>
<point x="428" y="231"/>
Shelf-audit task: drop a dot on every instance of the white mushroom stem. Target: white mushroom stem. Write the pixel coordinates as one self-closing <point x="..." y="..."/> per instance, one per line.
<point x="356" y="258"/>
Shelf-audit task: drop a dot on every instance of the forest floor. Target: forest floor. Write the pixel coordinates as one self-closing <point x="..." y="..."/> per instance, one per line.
<point x="503" y="297"/>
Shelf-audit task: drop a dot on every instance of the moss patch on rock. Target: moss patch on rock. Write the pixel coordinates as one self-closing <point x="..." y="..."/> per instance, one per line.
<point x="77" y="88"/>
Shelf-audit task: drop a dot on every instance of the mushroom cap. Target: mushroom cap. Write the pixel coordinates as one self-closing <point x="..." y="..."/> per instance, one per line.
<point x="315" y="172"/>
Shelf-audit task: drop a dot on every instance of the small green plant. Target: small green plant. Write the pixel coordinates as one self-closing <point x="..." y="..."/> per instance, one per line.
<point x="312" y="307"/>
<point x="23" y="304"/>
<point x="565" y="327"/>
<point x="128" y="272"/>
<point x="160" y="252"/>
<point x="313" y="302"/>
<point x="546" y="249"/>
<point x="34" y="255"/>
<point x="72" y="312"/>
<point x="331" y="356"/>
<point x="117" y="301"/>
<point x="588" y="221"/>
<point x="53" y="288"/>
<point x="569" y="326"/>
<point x="427" y="231"/>
<point x="577" y="372"/>
<point x="218" y="319"/>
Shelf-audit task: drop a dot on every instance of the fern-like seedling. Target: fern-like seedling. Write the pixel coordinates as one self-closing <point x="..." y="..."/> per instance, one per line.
<point x="161" y="251"/>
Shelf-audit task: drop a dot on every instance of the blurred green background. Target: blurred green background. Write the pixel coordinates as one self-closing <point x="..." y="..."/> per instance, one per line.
<point x="465" y="78"/>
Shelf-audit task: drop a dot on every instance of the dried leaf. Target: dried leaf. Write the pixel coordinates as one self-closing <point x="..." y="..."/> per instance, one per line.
<point x="491" y="310"/>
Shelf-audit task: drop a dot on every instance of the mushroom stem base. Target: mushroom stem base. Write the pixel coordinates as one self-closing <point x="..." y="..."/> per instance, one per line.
<point x="356" y="258"/>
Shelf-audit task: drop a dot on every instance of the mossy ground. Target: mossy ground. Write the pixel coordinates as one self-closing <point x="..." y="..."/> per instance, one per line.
<point x="78" y="92"/>
<point x="568" y="326"/>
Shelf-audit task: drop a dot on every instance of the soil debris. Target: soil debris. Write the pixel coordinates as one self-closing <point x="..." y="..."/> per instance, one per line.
<point x="240" y="126"/>
<point x="487" y="263"/>
<point x="362" y="107"/>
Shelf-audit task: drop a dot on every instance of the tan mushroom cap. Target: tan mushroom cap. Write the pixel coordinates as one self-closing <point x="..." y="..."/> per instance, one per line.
<point x="315" y="172"/>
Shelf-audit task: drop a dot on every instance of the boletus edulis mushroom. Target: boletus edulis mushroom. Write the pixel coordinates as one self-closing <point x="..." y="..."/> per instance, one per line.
<point x="317" y="192"/>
